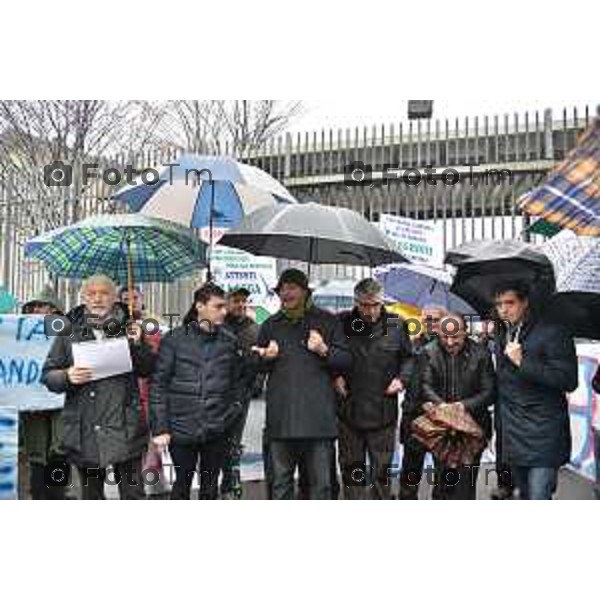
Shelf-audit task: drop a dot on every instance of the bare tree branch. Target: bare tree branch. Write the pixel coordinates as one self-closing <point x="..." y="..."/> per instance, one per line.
<point x="209" y="126"/>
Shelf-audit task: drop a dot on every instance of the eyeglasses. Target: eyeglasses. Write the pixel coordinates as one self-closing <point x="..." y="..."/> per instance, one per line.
<point x="369" y="304"/>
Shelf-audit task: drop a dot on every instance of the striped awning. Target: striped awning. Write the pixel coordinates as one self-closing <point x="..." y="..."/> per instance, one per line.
<point x="570" y="196"/>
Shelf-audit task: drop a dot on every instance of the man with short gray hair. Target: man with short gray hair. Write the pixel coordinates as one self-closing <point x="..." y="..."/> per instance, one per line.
<point x="368" y="408"/>
<point x="103" y="423"/>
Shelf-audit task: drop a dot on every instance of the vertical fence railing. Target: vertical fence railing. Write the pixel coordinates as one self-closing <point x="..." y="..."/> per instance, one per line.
<point x="312" y="165"/>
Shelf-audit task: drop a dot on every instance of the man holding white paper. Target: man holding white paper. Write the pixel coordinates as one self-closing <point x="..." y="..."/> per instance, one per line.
<point x="97" y="367"/>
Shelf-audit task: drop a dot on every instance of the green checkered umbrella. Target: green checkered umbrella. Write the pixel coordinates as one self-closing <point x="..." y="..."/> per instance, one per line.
<point x="124" y="247"/>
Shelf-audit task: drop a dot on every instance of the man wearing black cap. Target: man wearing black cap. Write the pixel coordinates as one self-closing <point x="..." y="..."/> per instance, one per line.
<point x="302" y="348"/>
<point x="246" y="330"/>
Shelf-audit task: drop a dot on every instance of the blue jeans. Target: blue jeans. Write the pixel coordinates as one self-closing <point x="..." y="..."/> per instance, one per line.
<point x="535" y="483"/>
<point x="597" y="459"/>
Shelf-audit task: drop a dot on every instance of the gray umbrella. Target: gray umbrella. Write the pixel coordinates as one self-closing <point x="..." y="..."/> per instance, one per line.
<point x="313" y="233"/>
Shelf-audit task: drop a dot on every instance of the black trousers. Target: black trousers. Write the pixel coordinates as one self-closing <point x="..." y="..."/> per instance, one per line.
<point x="312" y="457"/>
<point x="355" y="445"/>
<point x="127" y="475"/>
<point x="505" y="479"/>
<point x="211" y="455"/>
<point x="303" y="480"/>
<point x="456" y="484"/>
<point x="37" y="483"/>
<point x="231" y="482"/>
<point x="413" y="460"/>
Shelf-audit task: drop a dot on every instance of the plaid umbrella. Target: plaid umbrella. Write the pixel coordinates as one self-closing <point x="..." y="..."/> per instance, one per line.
<point x="123" y="247"/>
<point x="542" y="227"/>
<point x="570" y="196"/>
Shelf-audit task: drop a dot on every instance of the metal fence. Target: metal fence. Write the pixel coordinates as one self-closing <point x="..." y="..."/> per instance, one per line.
<point x="313" y="166"/>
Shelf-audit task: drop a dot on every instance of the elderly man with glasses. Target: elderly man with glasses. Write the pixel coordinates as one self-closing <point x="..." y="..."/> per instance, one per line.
<point x="368" y="406"/>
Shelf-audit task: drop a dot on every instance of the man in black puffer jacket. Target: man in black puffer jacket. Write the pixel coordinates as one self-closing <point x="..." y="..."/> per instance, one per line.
<point x="197" y="393"/>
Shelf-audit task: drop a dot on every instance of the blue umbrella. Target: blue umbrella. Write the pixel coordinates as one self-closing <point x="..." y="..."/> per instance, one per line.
<point x="183" y="192"/>
<point x="205" y="191"/>
<point x="421" y="286"/>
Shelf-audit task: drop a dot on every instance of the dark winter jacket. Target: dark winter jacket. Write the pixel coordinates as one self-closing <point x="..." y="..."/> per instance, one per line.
<point x="412" y="405"/>
<point x="532" y="398"/>
<point x="103" y="422"/>
<point x="300" y="394"/>
<point x="596" y="381"/>
<point x="246" y="331"/>
<point x="377" y="359"/>
<point x="199" y="384"/>
<point x="467" y="377"/>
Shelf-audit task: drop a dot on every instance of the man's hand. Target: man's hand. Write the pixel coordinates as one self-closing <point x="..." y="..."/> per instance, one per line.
<point x="316" y="343"/>
<point x="162" y="441"/>
<point x="514" y="352"/>
<point x="396" y="386"/>
<point x="271" y="351"/>
<point x="428" y="407"/>
<point x="340" y="386"/>
<point x="134" y="332"/>
<point x="79" y="375"/>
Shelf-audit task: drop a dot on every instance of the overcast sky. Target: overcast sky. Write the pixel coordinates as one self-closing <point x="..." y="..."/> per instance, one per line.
<point x="352" y="112"/>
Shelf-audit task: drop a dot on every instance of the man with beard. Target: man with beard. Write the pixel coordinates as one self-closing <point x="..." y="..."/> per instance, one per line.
<point x="459" y="370"/>
<point x="302" y="348"/>
<point x="103" y="423"/>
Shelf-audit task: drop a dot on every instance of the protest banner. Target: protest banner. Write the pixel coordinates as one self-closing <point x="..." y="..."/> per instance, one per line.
<point x="8" y="453"/>
<point x="422" y="242"/>
<point x="23" y="350"/>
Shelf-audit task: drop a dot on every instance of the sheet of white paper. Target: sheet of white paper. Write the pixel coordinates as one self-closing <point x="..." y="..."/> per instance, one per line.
<point x="105" y="357"/>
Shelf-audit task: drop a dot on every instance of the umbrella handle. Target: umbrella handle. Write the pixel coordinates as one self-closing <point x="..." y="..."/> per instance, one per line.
<point x="129" y="278"/>
<point x="311" y="248"/>
<point x="210" y="228"/>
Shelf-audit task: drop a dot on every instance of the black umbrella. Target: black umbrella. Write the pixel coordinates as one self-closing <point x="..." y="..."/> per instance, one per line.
<point x="313" y="233"/>
<point x="579" y="312"/>
<point x="482" y="265"/>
